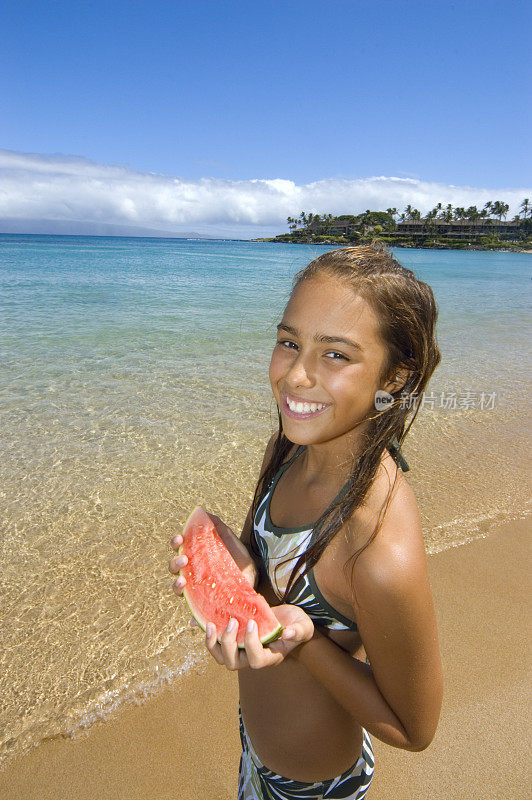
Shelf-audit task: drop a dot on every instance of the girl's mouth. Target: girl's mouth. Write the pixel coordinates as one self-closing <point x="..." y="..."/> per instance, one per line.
<point x="302" y="409"/>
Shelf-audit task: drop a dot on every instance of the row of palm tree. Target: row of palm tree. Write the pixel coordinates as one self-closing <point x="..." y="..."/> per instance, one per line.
<point x="307" y="220"/>
<point x="491" y="209"/>
<point x="497" y="209"/>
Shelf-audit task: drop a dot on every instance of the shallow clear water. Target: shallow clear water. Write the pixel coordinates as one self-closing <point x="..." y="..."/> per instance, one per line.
<point x="133" y="386"/>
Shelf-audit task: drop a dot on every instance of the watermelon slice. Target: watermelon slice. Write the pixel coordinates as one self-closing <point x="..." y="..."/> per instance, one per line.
<point x="216" y="589"/>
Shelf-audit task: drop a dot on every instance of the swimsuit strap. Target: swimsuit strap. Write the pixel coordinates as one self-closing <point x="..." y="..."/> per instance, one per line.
<point x="282" y="469"/>
<point x="281" y="472"/>
<point x="394" y="449"/>
<point x="298" y="452"/>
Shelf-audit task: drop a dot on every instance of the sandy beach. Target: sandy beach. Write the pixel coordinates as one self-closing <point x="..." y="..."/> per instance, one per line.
<point x="183" y="744"/>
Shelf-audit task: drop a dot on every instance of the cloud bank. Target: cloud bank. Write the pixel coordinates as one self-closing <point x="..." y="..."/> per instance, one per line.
<point x="68" y="189"/>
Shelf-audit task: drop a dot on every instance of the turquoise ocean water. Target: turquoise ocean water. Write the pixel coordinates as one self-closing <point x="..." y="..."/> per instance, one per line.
<point x="133" y="386"/>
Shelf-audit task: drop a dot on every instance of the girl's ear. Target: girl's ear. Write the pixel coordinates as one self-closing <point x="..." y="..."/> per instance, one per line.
<point x="399" y="377"/>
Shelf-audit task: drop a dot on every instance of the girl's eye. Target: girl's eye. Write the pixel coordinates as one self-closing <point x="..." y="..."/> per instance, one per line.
<point x="288" y="344"/>
<point x="334" y="356"/>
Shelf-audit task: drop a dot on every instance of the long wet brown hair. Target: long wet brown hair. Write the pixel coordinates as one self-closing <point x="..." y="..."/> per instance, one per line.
<point x="407" y="313"/>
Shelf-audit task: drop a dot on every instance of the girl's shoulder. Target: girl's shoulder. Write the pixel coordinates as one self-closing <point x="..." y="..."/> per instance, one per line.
<point x="391" y="491"/>
<point x="395" y="551"/>
<point x="391" y="508"/>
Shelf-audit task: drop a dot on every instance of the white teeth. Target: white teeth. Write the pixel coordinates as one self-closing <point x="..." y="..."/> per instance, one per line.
<point x="304" y="408"/>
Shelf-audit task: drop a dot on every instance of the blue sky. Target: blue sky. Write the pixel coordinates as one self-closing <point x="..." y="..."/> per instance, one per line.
<point x="438" y="93"/>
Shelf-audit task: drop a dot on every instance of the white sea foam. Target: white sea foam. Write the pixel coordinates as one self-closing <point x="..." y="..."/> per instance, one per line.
<point x="74" y="715"/>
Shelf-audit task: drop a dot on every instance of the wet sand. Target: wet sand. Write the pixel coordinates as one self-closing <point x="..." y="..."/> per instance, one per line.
<point x="183" y="744"/>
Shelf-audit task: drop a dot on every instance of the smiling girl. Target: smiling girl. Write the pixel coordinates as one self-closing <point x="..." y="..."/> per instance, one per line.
<point x="333" y="539"/>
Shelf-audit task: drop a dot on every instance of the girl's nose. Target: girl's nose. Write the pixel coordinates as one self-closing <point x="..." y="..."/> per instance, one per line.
<point x="300" y="373"/>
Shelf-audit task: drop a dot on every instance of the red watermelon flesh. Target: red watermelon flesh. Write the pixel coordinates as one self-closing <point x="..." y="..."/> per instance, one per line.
<point x="216" y="589"/>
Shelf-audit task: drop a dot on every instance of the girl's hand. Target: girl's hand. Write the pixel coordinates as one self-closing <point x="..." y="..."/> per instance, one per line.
<point x="298" y="628"/>
<point x="238" y="551"/>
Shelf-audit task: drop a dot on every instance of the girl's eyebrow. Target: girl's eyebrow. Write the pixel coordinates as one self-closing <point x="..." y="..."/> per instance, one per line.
<point x="321" y="338"/>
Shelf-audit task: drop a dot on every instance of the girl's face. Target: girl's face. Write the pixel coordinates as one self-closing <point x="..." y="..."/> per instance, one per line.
<point x="327" y="363"/>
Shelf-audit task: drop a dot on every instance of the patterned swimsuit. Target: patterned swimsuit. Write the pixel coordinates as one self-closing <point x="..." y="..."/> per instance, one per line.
<point x="276" y="545"/>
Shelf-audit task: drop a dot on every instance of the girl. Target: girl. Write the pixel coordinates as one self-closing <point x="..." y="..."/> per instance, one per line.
<point x="333" y="539"/>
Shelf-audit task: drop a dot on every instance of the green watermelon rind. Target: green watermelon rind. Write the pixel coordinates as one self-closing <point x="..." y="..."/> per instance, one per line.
<point x="265" y="640"/>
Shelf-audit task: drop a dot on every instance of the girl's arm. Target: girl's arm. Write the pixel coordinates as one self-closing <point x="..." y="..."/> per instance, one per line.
<point x="398" y="698"/>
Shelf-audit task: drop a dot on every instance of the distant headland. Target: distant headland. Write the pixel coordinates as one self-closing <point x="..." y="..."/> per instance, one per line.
<point x="444" y="227"/>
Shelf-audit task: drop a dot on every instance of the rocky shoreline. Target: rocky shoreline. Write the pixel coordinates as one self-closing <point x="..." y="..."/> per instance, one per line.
<point x="508" y="248"/>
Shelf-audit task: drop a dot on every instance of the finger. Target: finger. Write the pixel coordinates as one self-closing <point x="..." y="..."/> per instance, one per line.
<point x="177" y="562"/>
<point x="257" y="655"/>
<point x="254" y="648"/>
<point x="211" y="642"/>
<point x="177" y="541"/>
<point x="179" y="584"/>
<point x="229" y="646"/>
<point x="220" y="526"/>
<point x="289" y="633"/>
<point x="295" y="633"/>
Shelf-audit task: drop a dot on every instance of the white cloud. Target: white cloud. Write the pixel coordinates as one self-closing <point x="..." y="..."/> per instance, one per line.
<point x="72" y="189"/>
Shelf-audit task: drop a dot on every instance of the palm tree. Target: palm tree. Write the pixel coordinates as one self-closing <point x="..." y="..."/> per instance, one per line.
<point x="524" y="207"/>
<point x="392" y="212"/>
<point x="499" y="209"/>
<point x="408" y="212"/>
<point x="327" y="222"/>
<point x="472" y="213"/>
<point x="448" y="213"/>
<point x="292" y="223"/>
<point x="488" y="208"/>
<point x="364" y="221"/>
<point x="429" y="226"/>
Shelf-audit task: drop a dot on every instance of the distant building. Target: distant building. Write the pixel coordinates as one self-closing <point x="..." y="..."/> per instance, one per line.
<point x="346" y="228"/>
<point x="463" y="229"/>
<point x="352" y="227"/>
<point x="337" y="227"/>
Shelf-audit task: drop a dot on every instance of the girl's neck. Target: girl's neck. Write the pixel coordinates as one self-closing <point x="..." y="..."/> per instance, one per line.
<point x="332" y="459"/>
